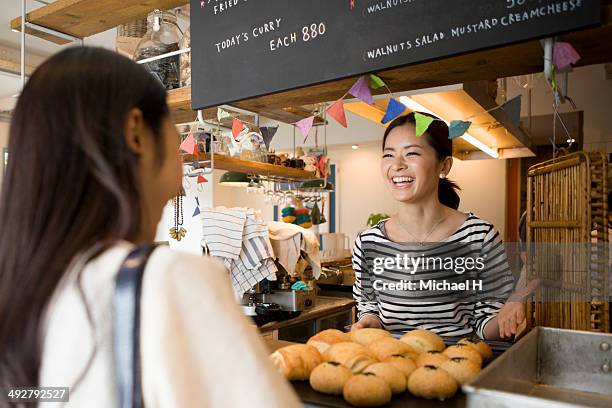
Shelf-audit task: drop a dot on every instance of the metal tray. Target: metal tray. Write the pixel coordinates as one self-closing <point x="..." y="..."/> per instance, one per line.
<point x="548" y="368"/>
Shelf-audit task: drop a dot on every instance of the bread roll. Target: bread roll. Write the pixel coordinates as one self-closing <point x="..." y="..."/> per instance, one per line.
<point x="323" y="340"/>
<point x="463" y="350"/>
<point x="461" y="369"/>
<point x="423" y="340"/>
<point x="388" y="346"/>
<point x="351" y="355"/>
<point x="431" y="357"/>
<point x="329" y="378"/>
<point x="368" y="335"/>
<point x="481" y="346"/>
<point x="297" y="361"/>
<point x="405" y="364"/>
<point x="432" y="382"/>
<point x="394" y="377"/>
<point x="366" y="390"/>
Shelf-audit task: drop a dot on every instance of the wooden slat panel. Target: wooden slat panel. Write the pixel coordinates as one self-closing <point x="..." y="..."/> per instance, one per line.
<point x="82" y="18"/>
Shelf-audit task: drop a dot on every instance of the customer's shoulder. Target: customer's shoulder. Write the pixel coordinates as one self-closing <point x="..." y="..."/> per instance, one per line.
<point x="176" y="262"/>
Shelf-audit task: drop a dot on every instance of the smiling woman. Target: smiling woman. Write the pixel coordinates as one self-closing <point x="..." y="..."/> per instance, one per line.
<point x="429" y="225"/>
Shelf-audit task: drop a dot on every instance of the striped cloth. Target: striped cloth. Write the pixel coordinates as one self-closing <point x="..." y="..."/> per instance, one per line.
<point x="449" y="312"/>
<point x="240" y="237"/>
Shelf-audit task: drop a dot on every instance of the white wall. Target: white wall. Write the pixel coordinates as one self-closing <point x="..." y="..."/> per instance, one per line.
<point x="591" y="92"/>
<point x="4" y="130"/>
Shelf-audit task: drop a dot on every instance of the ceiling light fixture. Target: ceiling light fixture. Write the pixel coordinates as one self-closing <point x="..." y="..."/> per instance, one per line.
<point x="415" y="106"/>
<point x="355" y="147"/>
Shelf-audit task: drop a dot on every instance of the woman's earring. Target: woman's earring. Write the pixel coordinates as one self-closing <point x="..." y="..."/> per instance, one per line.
<point x="442" y="175"/>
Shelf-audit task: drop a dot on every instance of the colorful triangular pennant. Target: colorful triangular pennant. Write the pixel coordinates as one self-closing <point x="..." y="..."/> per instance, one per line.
<point x="336" y="111"/>
<point x="196" y="212"/>
<point x="188" y="145"/>
<point x="222" y="114"/>
<point x="361" y="90"/>
<point x="376" y="82"/>
<point x="422" y="123"/>
<point x="394" y="109"/>
<point x="196" y="150"/>
<point x="237" y="127"/>
<point x="564" y="55"/>
<point x="201" y="179"/>
<point x="305" y="125"/>
<point x="458" y="128"/>
<point x="267" y="133"/>
<point x="512" y="109"/>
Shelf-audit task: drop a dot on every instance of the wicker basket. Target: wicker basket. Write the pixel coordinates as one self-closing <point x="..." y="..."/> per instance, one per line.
<point x="136" y="28"/>
<point x="567" y="238"/>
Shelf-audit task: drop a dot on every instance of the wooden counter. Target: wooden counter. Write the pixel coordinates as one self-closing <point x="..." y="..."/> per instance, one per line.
<point x="324" y="306"/>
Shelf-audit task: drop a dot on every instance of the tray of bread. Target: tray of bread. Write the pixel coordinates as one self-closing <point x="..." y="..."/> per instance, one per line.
<point x="370" y="367"/>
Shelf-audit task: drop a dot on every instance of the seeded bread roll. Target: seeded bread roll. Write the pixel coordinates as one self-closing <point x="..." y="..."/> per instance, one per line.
<point x="481" y="346"/>
<point x="351" y="355"/>
<point x="297" y="361"/>
<point x="463" y="350"/>
<point x="323" y="340"/>
<point x="386" y="347"/>
<point x="405" y="364"/>
<point x="394" y="377"/>
<point x="368" y="335"/>
<point x="366" y="390"/>
<point x="431" y="357"/>
<point x="432" y="382"/>
<point x="423" y="340"/>
<point x="461" y="369"/>
<point x="329" y="378"/>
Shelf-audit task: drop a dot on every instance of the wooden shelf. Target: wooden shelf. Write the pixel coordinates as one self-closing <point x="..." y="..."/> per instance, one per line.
<point x="179" y="101"/>
<point x="223" y="162"/>
<point x="82" y="18"/>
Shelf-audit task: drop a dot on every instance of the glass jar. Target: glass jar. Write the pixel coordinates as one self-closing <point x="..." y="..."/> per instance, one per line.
<point x="163" y="36"/>
<point x="185" y="59"/>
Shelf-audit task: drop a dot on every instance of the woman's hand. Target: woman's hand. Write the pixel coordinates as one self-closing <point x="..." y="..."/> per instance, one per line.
<point x="509" y="318"/>
<point x="367" y="320"/>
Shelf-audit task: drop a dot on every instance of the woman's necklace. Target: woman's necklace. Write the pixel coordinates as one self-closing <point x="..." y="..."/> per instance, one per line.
<point x="421" y="242"/>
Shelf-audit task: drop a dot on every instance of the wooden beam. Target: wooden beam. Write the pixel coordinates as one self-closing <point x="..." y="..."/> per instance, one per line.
<point x="10" y="61"/>
<point x="82" y="18"/>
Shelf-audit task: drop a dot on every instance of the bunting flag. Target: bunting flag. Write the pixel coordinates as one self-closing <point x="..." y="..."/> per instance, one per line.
<point x="305" y="125"/>
<point x="336" y="111"/>
<point x="394" y="109"/>
<point x="237" y="127"/>
<point x="361" y="90"/>
<point x="267" y="133"/>
<point x="422" y="123"/>
<point x="458" y="128"/>
<point x="188" y="145"/>
<point x="201" y="179"/>
<point x="196" y="150"/>
<point x="564" y="55"/>
<point x="196" y="212"/>
<point x="376" y="82"/>
<point x="512" y="109"/>
<point x="221" y="114"/>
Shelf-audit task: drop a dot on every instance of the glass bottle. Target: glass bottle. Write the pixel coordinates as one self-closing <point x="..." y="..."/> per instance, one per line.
<point x="163" y="36"/>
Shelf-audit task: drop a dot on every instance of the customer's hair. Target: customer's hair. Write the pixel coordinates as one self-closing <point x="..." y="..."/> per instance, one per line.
<point x="437" y="138"/>
<point x="71" y="185"/>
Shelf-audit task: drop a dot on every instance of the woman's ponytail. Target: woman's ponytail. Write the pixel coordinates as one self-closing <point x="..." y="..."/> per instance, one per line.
<point x="447" y="193"/>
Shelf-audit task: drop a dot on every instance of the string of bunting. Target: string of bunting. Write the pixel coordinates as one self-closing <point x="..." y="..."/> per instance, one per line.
<point x="564" y="56"/>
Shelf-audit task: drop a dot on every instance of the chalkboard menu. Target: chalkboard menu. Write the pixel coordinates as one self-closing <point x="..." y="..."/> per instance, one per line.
<point x="248" y="48"/>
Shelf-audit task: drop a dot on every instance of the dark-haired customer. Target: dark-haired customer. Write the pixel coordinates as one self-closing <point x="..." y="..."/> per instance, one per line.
<point x="428" y="224"/>
<point x="94" y="158"/>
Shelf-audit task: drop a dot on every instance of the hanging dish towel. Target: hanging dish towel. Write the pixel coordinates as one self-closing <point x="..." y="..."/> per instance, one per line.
<point x="288" y="240"/>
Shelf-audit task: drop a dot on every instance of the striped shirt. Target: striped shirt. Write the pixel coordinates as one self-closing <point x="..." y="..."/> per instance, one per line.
<point x="430" y="281"/>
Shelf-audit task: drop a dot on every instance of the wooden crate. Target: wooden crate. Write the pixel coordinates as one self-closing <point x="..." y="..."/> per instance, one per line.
<point x="567" y="239"/>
